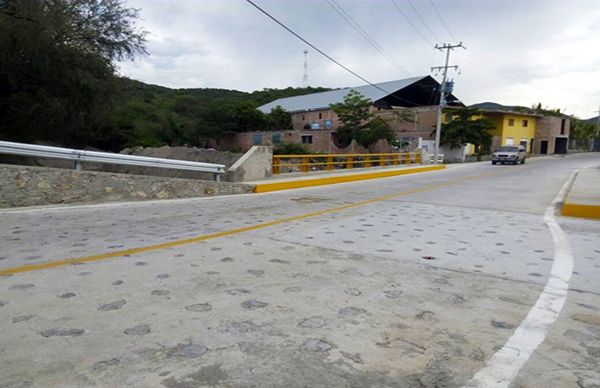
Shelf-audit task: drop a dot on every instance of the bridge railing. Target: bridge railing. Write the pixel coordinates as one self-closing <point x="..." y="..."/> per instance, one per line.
<point x="78" y="156"/>
<point x="314" y="162"/>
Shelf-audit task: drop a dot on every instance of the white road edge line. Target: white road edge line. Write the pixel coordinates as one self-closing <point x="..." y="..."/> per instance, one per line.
<point x="501" y="369"/>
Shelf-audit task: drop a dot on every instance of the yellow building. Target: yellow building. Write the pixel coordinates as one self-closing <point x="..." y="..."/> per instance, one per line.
<point x="512" y="129"/>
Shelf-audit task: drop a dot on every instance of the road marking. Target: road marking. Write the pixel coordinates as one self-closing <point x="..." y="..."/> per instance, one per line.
<point x="210" y="236"/>
<point x="500" y="370"/>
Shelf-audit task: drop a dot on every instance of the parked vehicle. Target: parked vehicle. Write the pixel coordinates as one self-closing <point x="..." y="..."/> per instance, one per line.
<point x="509" y="154"/>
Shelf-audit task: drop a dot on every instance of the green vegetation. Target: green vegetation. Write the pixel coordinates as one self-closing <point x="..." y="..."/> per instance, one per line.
<point x="582" y="131"/>
<point x="290" y="149"/>
<point x="58" y="83"/>
<point x="358" y="123"/>
<point x="465" y="128"/>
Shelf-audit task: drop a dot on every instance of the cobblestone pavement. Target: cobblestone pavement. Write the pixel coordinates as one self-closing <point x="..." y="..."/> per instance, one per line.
<point x="416" y="290"/>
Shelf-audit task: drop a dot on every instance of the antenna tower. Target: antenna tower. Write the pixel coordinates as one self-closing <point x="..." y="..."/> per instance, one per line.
<point x="305" y="77"/>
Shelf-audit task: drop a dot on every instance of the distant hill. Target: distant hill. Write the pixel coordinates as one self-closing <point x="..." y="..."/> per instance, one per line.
<point x="593" y="120"/>
<point x="151" y="115"/>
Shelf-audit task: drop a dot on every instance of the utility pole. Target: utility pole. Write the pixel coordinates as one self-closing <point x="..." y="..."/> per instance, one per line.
<point x="438" y="126"/>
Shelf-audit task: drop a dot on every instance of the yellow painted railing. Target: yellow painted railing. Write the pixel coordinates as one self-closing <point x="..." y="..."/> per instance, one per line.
<point x="305" y="163"/>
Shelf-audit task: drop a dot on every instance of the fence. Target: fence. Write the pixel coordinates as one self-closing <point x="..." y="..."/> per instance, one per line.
<point x="305" y="163"/>
<point x="78" y="156"/>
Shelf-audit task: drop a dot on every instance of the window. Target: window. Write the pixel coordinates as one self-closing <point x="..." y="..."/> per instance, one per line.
<point x="257" y="139"/>
<point x="276" y="138"/>
<point x="307" y="139"/>
<point x="562" y="127"/>
<point x="525" y="123"/>
<point x="303" y="118"/>
<point x="511" y="122"/>
<point x="320" y="116"/>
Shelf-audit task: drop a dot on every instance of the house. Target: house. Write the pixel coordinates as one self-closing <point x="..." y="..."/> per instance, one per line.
<point x="314" y="123"/>
<point x="538" y="131"/>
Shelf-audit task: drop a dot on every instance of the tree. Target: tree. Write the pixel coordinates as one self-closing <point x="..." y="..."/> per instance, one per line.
<point x="246" y="117"/>
<point x="354" y="114"/>
<point x="279" y="119"/>
<point x="582" y="131"/>
<point x="57" y="66"/>
<point x="467" y="126"/>
<point x="376" y="129"/>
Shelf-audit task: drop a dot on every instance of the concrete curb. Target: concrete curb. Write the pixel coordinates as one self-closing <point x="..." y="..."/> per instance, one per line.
<point x="581" y="201"/>
<point x="583" y="211"/>
<point x="321" y="181"/>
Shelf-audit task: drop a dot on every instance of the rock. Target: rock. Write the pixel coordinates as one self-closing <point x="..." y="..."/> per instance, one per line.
<point x="190" y="351"/>
<point x="352" y="291"/>
<point x="112" y="306"/>
<point x="199" y="307"/>
<point x="62" y="332"/>
<point x="317" y="345"/>
<point x="312" y="323"/>
<point x="351" y="311"/>
<point x="141" y="329"/>
<point x="501" y="324"/>
<point x="252" y="304"/>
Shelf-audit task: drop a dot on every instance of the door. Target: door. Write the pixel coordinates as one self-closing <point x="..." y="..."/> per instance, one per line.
<point x="544" y="147"/>
<point x="560" y="145"/>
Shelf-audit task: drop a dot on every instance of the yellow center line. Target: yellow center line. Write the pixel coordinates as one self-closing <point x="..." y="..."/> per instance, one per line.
<point x="210" y="236"/>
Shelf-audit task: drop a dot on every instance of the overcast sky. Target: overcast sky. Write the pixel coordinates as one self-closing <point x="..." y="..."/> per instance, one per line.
<point x="519" y="52"/>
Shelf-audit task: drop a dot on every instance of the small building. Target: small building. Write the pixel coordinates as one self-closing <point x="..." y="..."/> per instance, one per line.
<point x="539" y="133"/>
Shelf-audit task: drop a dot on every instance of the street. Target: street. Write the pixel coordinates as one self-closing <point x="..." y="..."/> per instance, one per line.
<point x="409" y="281"/>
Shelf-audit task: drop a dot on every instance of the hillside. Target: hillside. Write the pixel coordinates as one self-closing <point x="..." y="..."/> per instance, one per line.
<point x="151" y="115"/>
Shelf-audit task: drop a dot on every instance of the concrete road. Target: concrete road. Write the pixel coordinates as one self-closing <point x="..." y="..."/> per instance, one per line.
<point x="428" y="280"/>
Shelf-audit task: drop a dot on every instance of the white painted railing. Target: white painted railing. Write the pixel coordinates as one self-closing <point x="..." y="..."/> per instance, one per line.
<point x="78" y="156"/>
<point x="440" y="158"/>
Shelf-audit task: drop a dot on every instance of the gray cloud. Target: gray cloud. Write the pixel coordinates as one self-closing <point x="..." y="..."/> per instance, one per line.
<point x="519" y="52"/>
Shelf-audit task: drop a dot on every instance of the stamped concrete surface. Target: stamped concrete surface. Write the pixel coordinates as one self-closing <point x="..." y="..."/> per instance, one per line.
<point x="418" y="289"/>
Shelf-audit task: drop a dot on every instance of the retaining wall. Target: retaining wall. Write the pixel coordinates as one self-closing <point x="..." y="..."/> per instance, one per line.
<point x="34" y="186"/>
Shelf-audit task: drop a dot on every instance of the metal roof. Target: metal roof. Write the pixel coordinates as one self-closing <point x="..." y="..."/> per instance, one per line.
<point x="322" y="100"/>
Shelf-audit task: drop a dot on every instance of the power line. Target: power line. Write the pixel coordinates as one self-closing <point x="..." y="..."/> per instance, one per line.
<point x="411" y="23"/>
<point x="325" y="55"/>
<point x="442" y="20"/>
<point x="423" y="21"/>
<point x="340" y="10"/>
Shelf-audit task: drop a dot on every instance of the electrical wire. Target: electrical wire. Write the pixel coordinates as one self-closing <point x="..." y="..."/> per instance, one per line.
<point x="340" y="10"/>
<point x="423" y="21"/>
<point x="442" y="20"/>
<point x="326" y="55"/>
<point x="411" y="23"/>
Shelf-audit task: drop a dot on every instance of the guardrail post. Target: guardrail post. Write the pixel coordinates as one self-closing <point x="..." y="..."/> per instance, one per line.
<point x="396" y="159"/>
<point x="77" y="165"/>
<point x="217" y="177"/>
<point x="367" y="161"/>
<point x="408" y="158"/>
<point x="349" y="163"/>
<point x="304" y="165"/>
<point x="329" y="165"/>
<point x="276" y="165"/>
<point x="418" y="157"/>
<point x="382" y="160"/>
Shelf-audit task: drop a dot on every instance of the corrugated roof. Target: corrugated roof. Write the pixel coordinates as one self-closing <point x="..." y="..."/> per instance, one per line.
<point x="322" y="100"/>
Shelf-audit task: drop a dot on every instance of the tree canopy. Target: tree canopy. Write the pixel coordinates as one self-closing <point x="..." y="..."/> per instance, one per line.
<point x="358" y="122"/>
<point x="57" y="70"/>
<point x="467" y="126"/>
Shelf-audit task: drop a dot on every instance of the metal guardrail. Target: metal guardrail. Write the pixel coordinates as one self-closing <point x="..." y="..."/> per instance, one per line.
<point x="78" y="156"/>
<point x="304" y="163"/>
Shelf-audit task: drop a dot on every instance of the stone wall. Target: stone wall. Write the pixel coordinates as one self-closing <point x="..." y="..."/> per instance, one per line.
<point x="34" y="186"/>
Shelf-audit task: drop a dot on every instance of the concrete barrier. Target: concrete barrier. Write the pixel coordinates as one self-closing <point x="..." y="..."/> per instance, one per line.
<point x="583" y="199"/>
<point x="35" y="186"/>
<point x="255" y="164"/>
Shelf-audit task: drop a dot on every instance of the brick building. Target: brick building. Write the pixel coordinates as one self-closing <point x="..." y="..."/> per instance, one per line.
<point x="314" y="123"/>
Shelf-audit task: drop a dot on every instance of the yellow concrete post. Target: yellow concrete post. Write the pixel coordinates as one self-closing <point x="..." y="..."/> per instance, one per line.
<point x="329" y="165"/>
<point x="349" y="163"/>
<point x="367" y="162"/>
<point x="304" y="165"/>
<point x="382" y="159"/>
<point x="276" y="167"/>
